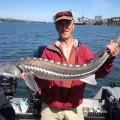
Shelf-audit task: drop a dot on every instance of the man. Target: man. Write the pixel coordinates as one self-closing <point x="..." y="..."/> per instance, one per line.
<point x="62" y="100"/>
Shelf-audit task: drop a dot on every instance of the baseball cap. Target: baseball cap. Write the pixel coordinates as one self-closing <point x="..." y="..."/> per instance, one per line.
<point x="66" y="15"/>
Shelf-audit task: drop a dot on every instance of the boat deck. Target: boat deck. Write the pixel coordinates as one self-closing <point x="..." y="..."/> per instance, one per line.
<point x="97" y="108"/>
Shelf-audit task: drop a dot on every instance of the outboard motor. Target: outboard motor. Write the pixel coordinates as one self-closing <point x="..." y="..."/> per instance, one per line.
<point x="9" y="86"/>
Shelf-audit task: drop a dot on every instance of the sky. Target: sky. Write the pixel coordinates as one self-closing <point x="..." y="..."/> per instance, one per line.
<point x="44" y="10"/>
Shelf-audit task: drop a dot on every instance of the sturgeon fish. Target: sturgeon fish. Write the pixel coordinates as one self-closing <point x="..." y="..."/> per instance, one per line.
<point x="50" y="70"/>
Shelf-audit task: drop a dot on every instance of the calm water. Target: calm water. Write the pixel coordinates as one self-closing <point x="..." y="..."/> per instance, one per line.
<point x="19" y="40"/>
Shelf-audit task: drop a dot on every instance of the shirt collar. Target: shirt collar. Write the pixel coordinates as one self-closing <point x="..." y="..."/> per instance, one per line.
<point x="76" y="42"/>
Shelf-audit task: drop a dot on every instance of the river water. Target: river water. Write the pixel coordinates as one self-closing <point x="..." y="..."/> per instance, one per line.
<point x="19" y="40"/>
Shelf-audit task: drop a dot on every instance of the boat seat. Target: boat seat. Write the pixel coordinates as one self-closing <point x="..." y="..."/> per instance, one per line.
<point x="39" y="51"/>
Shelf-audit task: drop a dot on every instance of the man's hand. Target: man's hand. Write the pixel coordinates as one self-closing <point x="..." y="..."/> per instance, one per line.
<point x="22" y="76"/>
<point x="113" y="48"/>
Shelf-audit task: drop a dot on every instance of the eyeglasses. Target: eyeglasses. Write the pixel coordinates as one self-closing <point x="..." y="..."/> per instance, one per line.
<point x="64" y="13"/>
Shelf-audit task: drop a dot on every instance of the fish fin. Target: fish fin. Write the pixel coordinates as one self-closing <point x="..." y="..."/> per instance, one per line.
<point x="90" y="80"/>
<point x="30" y="82"/>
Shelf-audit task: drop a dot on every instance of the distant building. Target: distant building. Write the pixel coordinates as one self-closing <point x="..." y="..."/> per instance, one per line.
<point x="114" y="21"/>
<point x="98" y="18"/>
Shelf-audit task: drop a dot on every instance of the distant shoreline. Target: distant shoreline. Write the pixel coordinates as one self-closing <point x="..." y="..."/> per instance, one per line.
<point x="23" y="21"/>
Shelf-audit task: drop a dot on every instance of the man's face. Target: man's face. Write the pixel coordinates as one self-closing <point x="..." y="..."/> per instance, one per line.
<point x="64" y="28"/>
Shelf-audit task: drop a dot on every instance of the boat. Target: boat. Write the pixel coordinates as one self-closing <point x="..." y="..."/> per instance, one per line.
<point x="105" y="105"/>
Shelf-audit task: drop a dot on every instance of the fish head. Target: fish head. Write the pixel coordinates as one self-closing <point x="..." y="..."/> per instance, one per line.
<point x="9" y="70"/>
